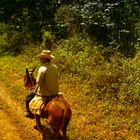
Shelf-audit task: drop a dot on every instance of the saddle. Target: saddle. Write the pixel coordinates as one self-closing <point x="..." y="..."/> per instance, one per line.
<point x="38" y="103"/>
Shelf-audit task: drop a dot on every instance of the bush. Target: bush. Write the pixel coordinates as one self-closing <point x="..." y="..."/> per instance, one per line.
<point x="13" y="40"/>
<point x="111" y="77"/>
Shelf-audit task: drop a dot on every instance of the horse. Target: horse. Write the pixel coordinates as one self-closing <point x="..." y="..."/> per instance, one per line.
<point x="57" y="111"/>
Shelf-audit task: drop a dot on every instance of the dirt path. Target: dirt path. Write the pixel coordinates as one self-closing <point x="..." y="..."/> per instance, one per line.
<point x="13" y="124"/>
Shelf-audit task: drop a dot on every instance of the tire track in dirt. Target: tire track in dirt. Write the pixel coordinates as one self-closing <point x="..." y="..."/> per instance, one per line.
<point x="13" y="124"/>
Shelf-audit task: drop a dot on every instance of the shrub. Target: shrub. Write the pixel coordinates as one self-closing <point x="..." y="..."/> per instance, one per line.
<point x="11" y="41"/>
<point x="114" y="78"/>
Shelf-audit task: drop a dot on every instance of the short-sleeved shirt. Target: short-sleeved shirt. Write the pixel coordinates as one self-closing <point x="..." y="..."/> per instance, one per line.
<point x="47" y="80"/>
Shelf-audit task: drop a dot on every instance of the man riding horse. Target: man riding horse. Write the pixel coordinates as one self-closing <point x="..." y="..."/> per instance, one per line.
<point x="46" y="87"/>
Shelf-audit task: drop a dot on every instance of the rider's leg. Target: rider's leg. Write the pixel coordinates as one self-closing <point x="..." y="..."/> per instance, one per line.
<point x="29" y="97"/>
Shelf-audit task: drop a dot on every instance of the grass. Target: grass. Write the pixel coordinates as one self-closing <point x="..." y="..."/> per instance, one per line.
<point x="105" y="104"/>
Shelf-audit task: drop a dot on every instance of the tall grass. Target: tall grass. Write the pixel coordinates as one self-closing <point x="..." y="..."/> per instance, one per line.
<point x="107" y="103"/>
<point x="102" y="92"/>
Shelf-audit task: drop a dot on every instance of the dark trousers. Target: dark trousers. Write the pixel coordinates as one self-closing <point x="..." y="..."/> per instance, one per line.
<point x="29" y="97"/>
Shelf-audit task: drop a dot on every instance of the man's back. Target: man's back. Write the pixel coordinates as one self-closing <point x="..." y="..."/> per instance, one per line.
<point x="47" y="80"/>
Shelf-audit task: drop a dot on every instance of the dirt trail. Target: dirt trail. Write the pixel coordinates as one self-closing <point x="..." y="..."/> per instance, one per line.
<point x="13" y="124"/>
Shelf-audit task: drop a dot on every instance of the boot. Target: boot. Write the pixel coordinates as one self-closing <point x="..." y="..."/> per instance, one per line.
<point x="29" y="115"/>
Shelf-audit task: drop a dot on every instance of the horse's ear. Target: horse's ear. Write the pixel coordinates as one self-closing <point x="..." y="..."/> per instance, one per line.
<point x="33" y="69"/>
<point x="27" y="71"/>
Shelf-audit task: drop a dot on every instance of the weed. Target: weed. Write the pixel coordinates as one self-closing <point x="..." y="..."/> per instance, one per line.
<point x="103" y="94"/>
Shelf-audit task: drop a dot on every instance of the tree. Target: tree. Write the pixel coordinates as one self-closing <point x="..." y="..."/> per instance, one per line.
<point x="28" y="15"/>
<point x="113" y="22"/>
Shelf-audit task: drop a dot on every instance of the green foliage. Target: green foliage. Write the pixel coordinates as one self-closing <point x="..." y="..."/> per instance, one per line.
<point x="48" y="40"/>
<point x="103" y="93"/>
<point x="30" y="16"/>
<point x="101" y="84"/>
<point x="12" y="77"/>
<point x="112" y="84"/>
<point x="111" y="23"/>
<point x="107" y="79"/>
<point x="11" y="41"/>
<point x="68" y="17"/>
<point x="75" y="50"/>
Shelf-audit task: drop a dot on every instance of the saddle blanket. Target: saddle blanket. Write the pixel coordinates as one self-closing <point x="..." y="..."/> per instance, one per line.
<point x="36" y="104"/>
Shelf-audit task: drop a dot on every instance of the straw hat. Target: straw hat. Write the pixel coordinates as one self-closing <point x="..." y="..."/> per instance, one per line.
<point x="45" y="54"/>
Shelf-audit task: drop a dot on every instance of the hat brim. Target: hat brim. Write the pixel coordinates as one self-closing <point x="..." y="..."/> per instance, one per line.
<point x="45" y="56"/>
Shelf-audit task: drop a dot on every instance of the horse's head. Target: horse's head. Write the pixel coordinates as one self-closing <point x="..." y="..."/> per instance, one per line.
<point x="29" y="80"/>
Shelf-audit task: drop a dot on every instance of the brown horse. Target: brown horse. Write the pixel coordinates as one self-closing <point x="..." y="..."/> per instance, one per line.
<point x="57" y="111"/>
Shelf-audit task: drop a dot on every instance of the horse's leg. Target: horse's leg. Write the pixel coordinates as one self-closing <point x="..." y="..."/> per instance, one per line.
<point x="62" y="133"/>
<point x="43" y="137"/>
<point x="38" y="122"/>
<point x="63" y="130"/>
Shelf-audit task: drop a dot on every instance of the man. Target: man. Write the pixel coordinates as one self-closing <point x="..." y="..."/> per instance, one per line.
<point x="47" y="84"/>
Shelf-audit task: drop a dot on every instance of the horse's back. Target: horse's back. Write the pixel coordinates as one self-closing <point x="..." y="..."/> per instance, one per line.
<point x="58" y="104"/>
<point x="57" y="111"/>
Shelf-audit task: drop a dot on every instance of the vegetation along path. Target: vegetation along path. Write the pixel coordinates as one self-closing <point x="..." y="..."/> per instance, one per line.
<point x="92" y="118"/>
